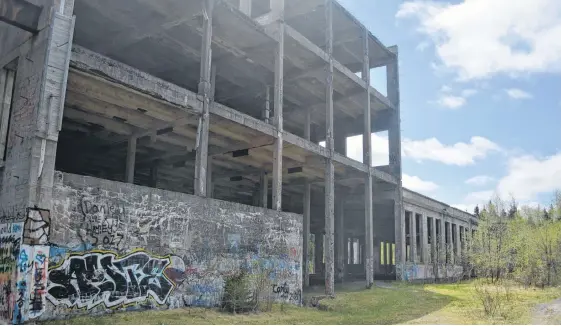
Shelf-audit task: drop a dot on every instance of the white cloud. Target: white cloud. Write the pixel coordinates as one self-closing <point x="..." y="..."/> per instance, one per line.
<point x="529" y="176"/>
<point x="479" y="196"/>
<point x="465" y="207"/>
<point x="482" y="38"/>
<point x="421" y="47"/>
<point x="479" y="180"/>
<point x="451" y="102"/>
<point x="468" y="92"/>
<point x="518" y="94"/>
<point x="460" y="154"/>
<point x="446" y="89"/>
<point x="380" y="148"/>
<point x="417" y="184"/>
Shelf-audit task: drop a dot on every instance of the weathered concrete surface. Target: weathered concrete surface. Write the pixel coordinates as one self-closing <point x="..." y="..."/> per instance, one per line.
<point x="115" y="246"/>
<point x="108" y="246"/>
<point x="425" y="272"/>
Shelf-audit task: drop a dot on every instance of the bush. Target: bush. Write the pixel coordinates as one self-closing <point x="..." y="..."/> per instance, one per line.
<point x="238" y="297"/>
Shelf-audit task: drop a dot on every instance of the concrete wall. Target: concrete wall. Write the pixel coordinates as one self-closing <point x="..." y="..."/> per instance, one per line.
<point x="426" y="272"/>
<point x="108" y="246"/>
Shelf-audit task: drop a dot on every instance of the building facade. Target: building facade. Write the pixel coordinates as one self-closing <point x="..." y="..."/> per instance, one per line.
<point x="152" y="148"/>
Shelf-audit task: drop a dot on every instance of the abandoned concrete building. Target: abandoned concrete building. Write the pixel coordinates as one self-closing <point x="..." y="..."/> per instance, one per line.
<point x="149" y="149"/>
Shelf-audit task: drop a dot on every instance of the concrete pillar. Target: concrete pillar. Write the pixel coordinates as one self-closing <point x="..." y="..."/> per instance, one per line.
<point x="413" y="226"/>
<point x="367" y="159"/>
<point x="209" y="182"/>
<point x="329" y="169"/>
<point x="6" y="89"/>
<point x="278" y="107"/>
<point x="264" y="189"/>
<point x="267" y="108"/>
<point x="154" y="175"/>
<point x="318" y="252"/>
<point x="424" y="238"/>
<point x="131" y="155"/>
<point x="449" y="244"/>
<point x="205" y="96"/>
<point x="394" y="140"/>
<point x="434" y="240"/>
<point x="340" y="233"/>
<point x="37" y="107"/>
<point x="442" y="247"/>
<point x="306" y="236"/>
<point x="458" y="245"/>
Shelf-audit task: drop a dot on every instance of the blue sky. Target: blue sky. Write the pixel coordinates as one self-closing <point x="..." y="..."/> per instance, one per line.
<point x="480" y="96"/>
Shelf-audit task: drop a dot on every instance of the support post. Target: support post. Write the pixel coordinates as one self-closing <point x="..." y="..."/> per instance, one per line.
<point x="458" y="244"/>
<point x="131" y="156"/>
<point x="413" y="232"/>
<point x="394" y="139"/>
<point x="433" y="241"/>
<point x="209" y="183"/>
<point x="204" y="93"/>
<point x="154" y="175"/>
<point x="442" y="248"/>
<point x="6" y="90"/>
<point x="450" y="243"/>
<point x="340" y="218"/>
<point x="329" y="169"/>
<point x="424" y="239"/>
<point x="267" y="108"/>
<point x="264" y="183"/>
<point x="367" y="159"/>
<point x="306" y="231"/>
<point x="278" y="106"/>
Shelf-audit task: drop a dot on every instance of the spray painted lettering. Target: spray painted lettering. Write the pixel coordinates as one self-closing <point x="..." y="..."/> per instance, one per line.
<point x="95" y="278"/>
<point x="10" y="238"/>
<point x="103" y="223"/>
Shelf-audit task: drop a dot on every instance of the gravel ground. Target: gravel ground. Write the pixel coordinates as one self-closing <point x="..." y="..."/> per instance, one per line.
<point x="547" y="313"/>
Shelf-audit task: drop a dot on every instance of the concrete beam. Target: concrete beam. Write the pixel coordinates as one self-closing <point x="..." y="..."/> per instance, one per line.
<point x="21" y="14"/>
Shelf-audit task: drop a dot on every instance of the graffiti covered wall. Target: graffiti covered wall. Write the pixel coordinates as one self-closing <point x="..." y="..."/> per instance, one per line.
<point x="113" y="246"/>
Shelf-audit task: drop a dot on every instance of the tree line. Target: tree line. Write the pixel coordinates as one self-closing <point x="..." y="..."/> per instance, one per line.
<point x="520" y="243"/>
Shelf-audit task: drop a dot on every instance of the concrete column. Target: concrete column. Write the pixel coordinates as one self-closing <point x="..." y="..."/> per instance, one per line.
<point x="154" y="175"/>
<point x="6" y="88"/>
<point x="340" y="232"/>
<point x="267" y="108"/>
<point x="131" y="156"/>
<point x="413" y="226"/>
<point x="329" y="169"/>
<point x="442" y="248"/>
<point x="367" y="159"/>
<point x="318" y="252"/>
<point x="205" y="96"/>
<point x="37" y="108"/>
<point x="278" y="107"/>
<point x="424" y="239"/>
<point x="458" y="245"/>
<point x="209" y="183"/>
<point x="434" y="240"/>
<point x="449" y="244"/>
<point x="394" y="140"/>
<point x="306" y="236"/>
<point x="264" y="189"/>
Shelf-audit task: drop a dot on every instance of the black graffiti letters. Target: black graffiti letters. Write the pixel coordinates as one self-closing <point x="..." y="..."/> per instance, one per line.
<point x="96" y="278"/>
<point x="102" y="223"/>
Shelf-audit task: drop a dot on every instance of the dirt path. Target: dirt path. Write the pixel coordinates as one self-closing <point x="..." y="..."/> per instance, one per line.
<point x="547" y="313"/>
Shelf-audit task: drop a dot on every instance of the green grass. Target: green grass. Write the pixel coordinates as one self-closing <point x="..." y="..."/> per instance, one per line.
<point x="402" y="304"/>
